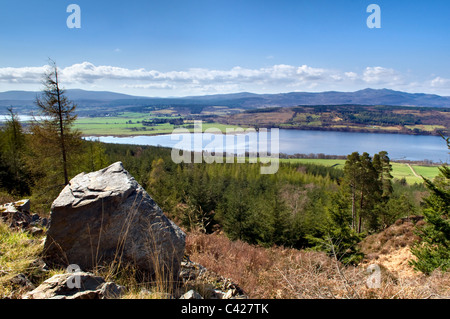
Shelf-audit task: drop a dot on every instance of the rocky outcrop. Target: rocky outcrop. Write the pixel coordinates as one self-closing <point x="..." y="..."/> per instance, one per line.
<point x="193" y="275"/>
<point x="107" y="217"/>
<point x="78" y="285"/>
<point x="18" y="215"/>
<point x="191" y="294"/>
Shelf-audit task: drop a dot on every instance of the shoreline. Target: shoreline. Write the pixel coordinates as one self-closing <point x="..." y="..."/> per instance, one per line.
<point x="283" y="128"/>
<point x="359" y="130"/>
<point x="281" y="156"/>
<point x="315" y="129"/>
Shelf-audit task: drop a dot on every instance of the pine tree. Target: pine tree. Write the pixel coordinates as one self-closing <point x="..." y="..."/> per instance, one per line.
<point x="370" y="189"/>
<point x="433" y="250"/>
<point x="386" y="213"/>
<point x="352" y="172"/>
<point x="339" y="239"/>
<point x="54" y="142"/>
<point x="95" y="156"/>
<point x="363" y="183"/>
<point x="156" y="179"/>
<point x="15" y="178"/>
<point x="382" y="164"/>
<point x="236" y="213"/>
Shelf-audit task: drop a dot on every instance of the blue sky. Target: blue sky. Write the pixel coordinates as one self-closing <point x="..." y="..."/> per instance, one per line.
<point x="190" y="47"/>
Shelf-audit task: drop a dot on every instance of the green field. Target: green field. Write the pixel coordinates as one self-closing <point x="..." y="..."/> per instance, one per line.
<point x="129" y="123"/>
<point x="399" y="170"/>
<point x="326" y="162"/>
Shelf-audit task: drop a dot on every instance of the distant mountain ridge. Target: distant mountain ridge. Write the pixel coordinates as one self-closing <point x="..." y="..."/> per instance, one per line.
<point x="91" y="101"/>
<point x="73" y="94"/>
<point x="361" y="97"/>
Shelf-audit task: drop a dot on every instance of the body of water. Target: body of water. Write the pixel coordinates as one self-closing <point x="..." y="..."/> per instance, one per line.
<point x="398" y="146"/>
<point x="22" y="118"/>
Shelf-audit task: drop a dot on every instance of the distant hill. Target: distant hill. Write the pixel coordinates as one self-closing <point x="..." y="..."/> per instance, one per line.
<point x="362" y="97"/>
<point x="91" y="102"/>
<point x="74" y="94"/>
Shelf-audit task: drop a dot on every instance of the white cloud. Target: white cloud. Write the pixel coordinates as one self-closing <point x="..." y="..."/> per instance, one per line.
<point x="22" y="75"/>
<point x="88" y="72"/>
<point x="272" y="79"/>
<point x="439" y="82"/>
<point x="351" y="75"/>
<point x="149" y="86"/>
<point x="380" y="75"/>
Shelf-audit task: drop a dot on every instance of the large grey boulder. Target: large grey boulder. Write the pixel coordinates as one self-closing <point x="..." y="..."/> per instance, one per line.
<point x="106" y="217"/>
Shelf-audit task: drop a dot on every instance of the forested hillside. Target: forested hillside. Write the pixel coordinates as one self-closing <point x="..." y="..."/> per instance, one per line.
<point x="302" y="206"/>
<point x="288" y="208"/>
<point x="350" y="118"/>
